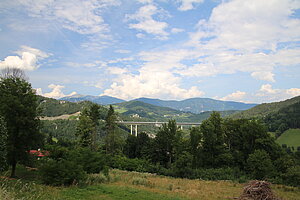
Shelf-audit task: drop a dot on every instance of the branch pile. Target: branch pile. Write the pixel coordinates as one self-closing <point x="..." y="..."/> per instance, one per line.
<point x="258" y="190"/>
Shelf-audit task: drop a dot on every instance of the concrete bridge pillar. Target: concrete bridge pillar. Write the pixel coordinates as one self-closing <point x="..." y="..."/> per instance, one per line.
<point x="136" y="130"/>
<point x="130" y="129"/>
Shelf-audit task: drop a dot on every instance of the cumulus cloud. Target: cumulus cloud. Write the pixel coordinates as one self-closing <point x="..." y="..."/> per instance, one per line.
<point x="267" y="94"/>
<point x="249" y="36"/>
<point x="155" y="78"/>
<point x="235" y="96"/>
<point x="56" y="92"/>
<point x="267" y="76"/>
<point x="27" y="59"/>
<point x="78" y="15"/>
<point x="146" y="22"/>
<point x="188" y="4"/>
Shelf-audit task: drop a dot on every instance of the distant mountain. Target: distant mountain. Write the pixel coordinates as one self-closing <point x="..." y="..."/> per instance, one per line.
<point x="138" y="110"/>
<point x="198" y="105"/>
<point x="266" y="109"/>
<point x="103" y="100"/>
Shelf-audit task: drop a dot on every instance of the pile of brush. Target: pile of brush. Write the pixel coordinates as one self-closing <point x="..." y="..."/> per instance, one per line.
<point x="258" y="190"/>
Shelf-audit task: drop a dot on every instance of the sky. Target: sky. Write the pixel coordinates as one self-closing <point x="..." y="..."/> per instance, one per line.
<point x="237" y="50"/>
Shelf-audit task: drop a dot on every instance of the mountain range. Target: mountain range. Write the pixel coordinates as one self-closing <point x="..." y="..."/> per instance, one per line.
<point x="194" y="105"/>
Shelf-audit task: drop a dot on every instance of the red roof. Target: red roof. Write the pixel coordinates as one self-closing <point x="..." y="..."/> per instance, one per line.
<point x="39" y="153"/>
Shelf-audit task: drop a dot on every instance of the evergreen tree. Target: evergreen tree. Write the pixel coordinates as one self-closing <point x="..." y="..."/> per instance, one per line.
<point x="214" y="148"/>
<point x="167" y="144"/>
<point x="3" y="145"/>
<point x="18" y="106"/>
<point x="112" y="139"/>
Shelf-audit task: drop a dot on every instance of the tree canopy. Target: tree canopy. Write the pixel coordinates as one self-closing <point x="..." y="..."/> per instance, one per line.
<point x="18" y="106"/>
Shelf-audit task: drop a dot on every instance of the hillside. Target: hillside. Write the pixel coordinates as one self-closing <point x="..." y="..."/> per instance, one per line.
<point x="291" y="138"/>
<point x="138" y="110"/>
<point x="103" y="100"/>
<point x="265" y="109"/>
<point x="52" y="107"/>
<point x="198" y="105"/>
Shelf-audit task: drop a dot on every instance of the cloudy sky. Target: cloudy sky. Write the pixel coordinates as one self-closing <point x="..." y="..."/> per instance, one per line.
<point x="241" y="50"/>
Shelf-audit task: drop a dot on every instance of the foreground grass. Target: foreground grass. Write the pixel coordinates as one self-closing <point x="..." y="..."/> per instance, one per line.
<point x="123" y="185"/>
<point x="290" y="137"/>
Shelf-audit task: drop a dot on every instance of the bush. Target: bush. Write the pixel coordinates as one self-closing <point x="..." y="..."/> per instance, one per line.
<point x="292" y="176"/>
<point x="62" y="172"/>
<point x="92" y="162"/>
<point x="216" y="174"/>
<point x="259" y="165"/>
<point x="93" y="179"/>
<point x="124" y="163"/>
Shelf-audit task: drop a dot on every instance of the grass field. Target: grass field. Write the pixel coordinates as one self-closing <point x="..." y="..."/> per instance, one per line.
<point x="123" y="185"/>
<point x="290" y="137"/>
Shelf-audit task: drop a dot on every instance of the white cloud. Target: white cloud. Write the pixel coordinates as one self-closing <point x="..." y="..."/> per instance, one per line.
<point x="155" y="78"/>
<point x="117" y="70"/>
<point x="177" y="30"/>
<point x="235" y="96"/>
<point x="147" y="23"/>
<point x="267" y="94"/>
<point x="263" y="75"/>
<point x="251" y="36"/>
<point x="77" y="15"/>
<point x="56" y="92"/>
<point x="188" y="4"/>
<point x="27" y="59"/>
<point x="123" y="51"/>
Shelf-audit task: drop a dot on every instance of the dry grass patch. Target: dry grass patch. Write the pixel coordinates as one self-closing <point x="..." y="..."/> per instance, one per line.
<point x="192" y="189"/>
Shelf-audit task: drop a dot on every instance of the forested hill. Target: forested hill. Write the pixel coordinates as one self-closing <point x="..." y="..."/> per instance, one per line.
<point x="198" y="105"/>
<point x="138" y="110"/>
<point x="265" y="109"/>
<point x="52" y="107"/>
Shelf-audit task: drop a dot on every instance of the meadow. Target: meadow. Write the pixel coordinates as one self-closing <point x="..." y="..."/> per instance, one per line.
<point x="124" y="185"/>
<point x="290" y="137"/>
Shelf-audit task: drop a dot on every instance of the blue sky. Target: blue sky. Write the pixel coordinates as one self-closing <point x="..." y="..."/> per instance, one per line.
<point x="240" y="50"/>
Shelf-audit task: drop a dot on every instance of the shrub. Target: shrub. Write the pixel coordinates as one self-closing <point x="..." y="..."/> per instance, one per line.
<point x="215" y="174"/>
<point x="259" y="165"/>
<point x="62" y="172"/>
<point x="292" y="176"/>
<point x="92" y="162"/>
<point x="93" y="179"/>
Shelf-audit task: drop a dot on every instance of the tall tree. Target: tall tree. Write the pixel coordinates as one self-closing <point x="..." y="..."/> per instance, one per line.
<point x="3" y="145"/>
<point x="167" y="143"/>
<point x="88" y="126"/>
<point x="112" y="138"/>
<point x="18" y="106"/>
<point x="214" y="148"/>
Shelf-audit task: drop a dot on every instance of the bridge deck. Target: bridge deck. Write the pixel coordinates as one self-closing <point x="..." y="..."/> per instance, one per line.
<point x="158" y="123"/>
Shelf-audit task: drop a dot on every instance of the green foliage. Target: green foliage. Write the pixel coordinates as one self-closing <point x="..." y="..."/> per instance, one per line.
<point x="60" y="129"/>
<point x="85" y="129"/>
<point x="18" y="106"/>
<point x="167" y="144"/>
<point x="292" y="176"/>
<point x="62" y="172"/>
<point x="52" y="107"/>
<point x="265" y="109"/>
<point x="3" y="146"/>
<point x="259" y="165"/>
<point x="113" y="141"/>
<point x="91" y="161"/>
<point x="124" y="163"/>
<point x="137" y="147"/>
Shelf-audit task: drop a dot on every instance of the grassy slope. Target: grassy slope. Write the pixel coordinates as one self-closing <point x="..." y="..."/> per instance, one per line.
<point x="265" y="109"/>
<point x="132" y="185"/>
<point x="290" y="137"/>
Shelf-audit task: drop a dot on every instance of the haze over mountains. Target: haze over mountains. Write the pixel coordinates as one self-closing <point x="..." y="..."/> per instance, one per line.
<point x="194" y="105"/>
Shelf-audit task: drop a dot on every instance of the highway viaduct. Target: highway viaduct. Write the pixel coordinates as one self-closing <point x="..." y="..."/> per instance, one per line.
<point x="135" y="124"/>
